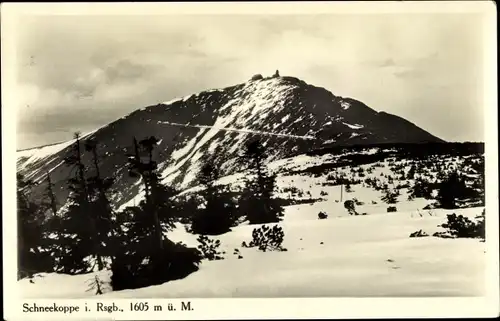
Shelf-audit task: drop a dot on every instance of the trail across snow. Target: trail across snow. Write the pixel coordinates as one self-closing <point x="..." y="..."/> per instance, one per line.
<point x="229" y="129"/>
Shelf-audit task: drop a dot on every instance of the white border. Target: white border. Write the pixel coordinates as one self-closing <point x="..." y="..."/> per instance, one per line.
<point x="259" y="308"/>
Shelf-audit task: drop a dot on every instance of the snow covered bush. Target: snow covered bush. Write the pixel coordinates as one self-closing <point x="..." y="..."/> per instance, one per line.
<point x="462" y="227"/>
<point x="443" y="235"/>
<point x="266" y="238"/>
<point x="209" y="248"/>
<point x="419" y="233"/>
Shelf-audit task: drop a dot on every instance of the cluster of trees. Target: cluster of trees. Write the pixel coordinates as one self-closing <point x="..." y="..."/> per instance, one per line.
<point x="79" y="239"/>
<point x="134" y="243"/>
<point x="454" y="190"/>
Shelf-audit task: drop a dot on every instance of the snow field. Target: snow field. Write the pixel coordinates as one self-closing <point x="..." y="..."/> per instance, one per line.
<point x="352" y="256"/>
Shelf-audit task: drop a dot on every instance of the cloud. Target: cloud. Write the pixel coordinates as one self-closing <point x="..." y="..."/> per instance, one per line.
<point x="409" y="73"/>
<point x="107" y="66"/>
<point x="388" y="63"/>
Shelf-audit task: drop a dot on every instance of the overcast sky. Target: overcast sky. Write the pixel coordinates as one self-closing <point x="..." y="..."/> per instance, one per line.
<point x="82" y="72"/>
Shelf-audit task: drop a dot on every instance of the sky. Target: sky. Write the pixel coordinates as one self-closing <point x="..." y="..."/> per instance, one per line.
<point x="78" y="73"/>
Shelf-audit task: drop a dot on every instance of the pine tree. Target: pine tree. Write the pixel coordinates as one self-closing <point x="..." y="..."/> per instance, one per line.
<point x="257" y="202"/>
<point x="52" y="202"/>
<point x="51" y="240"/>
<point x="451" y="189"/>
<point x="99" y="188"/>
<point x="219" y="214"/>
<point x="146" y="256"/>
<point x="79" y="233"/>
<point x="30" y="231"/>
<point x="157" y="205"/>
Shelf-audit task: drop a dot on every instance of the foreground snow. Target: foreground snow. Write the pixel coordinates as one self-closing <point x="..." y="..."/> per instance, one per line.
<point x="346" y="256"/>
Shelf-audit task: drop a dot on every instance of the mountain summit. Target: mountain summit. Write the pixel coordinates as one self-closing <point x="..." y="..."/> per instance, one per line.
<point x="288" y="115"/>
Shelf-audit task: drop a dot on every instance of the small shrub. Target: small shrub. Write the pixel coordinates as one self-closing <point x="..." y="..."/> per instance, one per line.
<point x="419" y="233"/>
<point x="257" y="77"/>
<point x="392" y="209"/>
<point x="237" y="252"/>
<point x="322" y="215"/>
<point x="266" y="238"/>
<point x="323" y="193"/>
<point x="209" y="248"/>
<point x="350" y="207"/>
<point x="462" y="227"/>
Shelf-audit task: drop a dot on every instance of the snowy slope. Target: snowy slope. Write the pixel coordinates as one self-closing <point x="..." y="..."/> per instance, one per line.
<point x="44" y="155"/>
<point x="352" y="256"/>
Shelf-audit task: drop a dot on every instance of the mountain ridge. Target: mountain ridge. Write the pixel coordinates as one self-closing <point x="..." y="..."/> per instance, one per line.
<point x="289" y="116"/>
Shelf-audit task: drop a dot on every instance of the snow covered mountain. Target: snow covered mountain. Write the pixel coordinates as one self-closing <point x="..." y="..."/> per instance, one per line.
<point x="288" y="115"/>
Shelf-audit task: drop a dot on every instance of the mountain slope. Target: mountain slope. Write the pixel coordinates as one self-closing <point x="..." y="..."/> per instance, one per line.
<point x="288" y="115"/>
